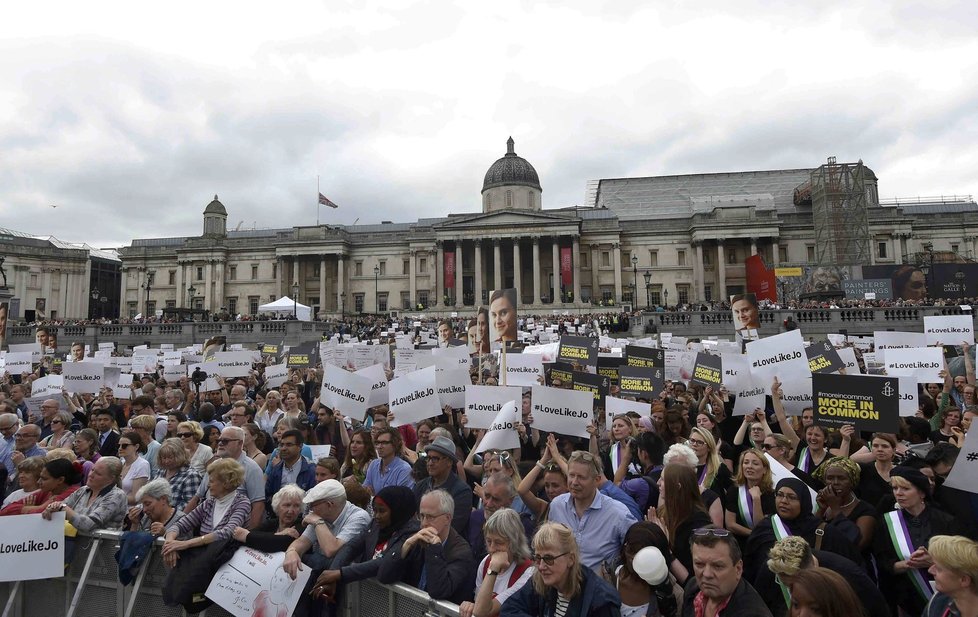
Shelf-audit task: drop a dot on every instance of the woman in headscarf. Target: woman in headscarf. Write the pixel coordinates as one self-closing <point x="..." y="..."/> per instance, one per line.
<point x="837" y="500"/>
<point x="394" y="522"/>
<point x="794" y="517"/>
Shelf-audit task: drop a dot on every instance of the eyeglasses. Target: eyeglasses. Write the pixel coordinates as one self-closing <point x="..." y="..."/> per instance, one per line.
<point x="224" y="442"/>
<point x="786" y="496"/>
<point x="26" y="435"/>
<point x="696" y="442"/>
<point x="124" y="445"/>
<point x="584" y="456"/>
<point x="425" y="516"/>
<point x="435" y="459"/>
<point x="547" y="559"/>
<point x="769" y="446"/>
<point x="185" y="435"/>
<point x="716" y="532"/>
<point x="383" y="443"/>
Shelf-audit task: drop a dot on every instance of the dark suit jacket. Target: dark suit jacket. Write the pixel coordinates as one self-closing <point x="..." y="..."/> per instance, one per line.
<point x="361" y="551"/>
<point x="111" y="445"/>
<point x="305" y="479"/>
<point x="450" y="569"/>
<point x="745" y="602"/>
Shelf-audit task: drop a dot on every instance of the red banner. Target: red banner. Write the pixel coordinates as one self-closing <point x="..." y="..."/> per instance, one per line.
<point x="566" y="263"/>
<point x="449" y="270"/>
<point x="760" y="280"/>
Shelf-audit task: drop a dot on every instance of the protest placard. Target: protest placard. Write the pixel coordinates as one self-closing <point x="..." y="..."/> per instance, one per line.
<point x="451" y="386"/>
<point x="636" y="355"/>
<point x="708" y="370"/>
<point x="254" y="583"/>
<point x="303" y="355"/>
<point x="736" y="371"/>
<point x="451" y="358"/>
<point x="482" y="403"/>
<point x="171" y="358"/>
<point x="923" y="363"/>
<point x="560" y="371"/>
<point x="378" y="384"/>
<point x="32" y="548"/>
<point x="781" y="355"/>
<point x="848" y="357"/>
<point x="17" y="363"/>
<point x="47" y="386"/>
<point x="615" y="406"/>
<point x="641" y="382"/>
<point x="414" y="396"/>
<point x="823" y="358"/>
<point x="344" y="391"/>
<point x="566" y="412"/>
<point x="581" y="350"/>
<point x="885" y="339"/>
<point x="949" y="329"/>
<point x="796" y="396"/>
<point x="869" y="403"/>
<point x="502" y="434"/>
<point x="82" y="377"/>
<point x="276" y="375"/>
<point x="597" y="385"/>
<point x="964" y="474"/>
<point x="232" y="363"/>
<point x="318" y="452"/>
<point x="608" y="366"/>
<point x="523" y="369"/>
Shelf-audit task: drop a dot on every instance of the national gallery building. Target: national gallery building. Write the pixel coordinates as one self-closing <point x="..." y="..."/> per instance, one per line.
<point x="665" y="239"/>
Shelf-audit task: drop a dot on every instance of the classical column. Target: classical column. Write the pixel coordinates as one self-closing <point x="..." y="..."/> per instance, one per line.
<point x="21" y="277"/>
<point x="722" y="272"/>
<point x="220" y="273"/>
<point x="122" y="294"/>
<point x="439" y="272"/>
<point x="478" y="273"/>
<point x="698" y="272"/>
<point x="516" y="270"/>
<point x="458" y="272"/>
<point x="555" y="278"/>
<point x="140" y="279"/>
<point x="413" y="279"/>
<point x="279" y="267"/>
<point x="775" y="252"/>
<point x="497" y="263"/>
<point x="322" y="284"/>
<point x="295" y="275"/>
<point x="536" y="270"/>
<point x="895" y="242"/>
<point x="595" y="283"/>
<point x="618" y="266"/>
<point x="576" y="256"/>
<point x="181" y="294"/>
<point x="63" y="296"/>
<point x="208" y="292"/>
<point x="340" y="281"/>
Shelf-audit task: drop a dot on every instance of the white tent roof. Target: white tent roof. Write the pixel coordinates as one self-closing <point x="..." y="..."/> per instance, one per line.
<point x="286" y="305"/>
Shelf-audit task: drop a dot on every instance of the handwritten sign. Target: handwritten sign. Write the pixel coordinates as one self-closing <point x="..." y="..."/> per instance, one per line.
<point x="254" y="583"/>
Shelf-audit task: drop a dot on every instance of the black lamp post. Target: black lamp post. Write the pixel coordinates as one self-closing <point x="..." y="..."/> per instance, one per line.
<point x="377" y="289"/>
<point x="634" y="278"/>
<point x="343" y="303"/>
<point x="295" y="299"/>
<point x="665" y="298"/>
<point x="648" y="289"/>
<point x="148" y="285"/>
<point x="190" y="296"/>
<point x="95" y="296"/>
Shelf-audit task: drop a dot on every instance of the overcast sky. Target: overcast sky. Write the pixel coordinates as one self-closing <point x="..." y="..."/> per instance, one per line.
<point x="129" y="120"/>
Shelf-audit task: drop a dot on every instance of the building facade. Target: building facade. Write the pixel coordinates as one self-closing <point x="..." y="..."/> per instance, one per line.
<point x="689" y="236"/>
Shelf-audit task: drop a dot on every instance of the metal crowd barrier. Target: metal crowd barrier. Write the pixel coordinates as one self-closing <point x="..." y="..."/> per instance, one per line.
<point x="91" y="588"/>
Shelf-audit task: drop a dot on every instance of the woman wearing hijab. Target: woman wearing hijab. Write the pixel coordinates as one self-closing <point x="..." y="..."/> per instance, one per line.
<point x="394" y="522"/>
<point x="794" y="517"/>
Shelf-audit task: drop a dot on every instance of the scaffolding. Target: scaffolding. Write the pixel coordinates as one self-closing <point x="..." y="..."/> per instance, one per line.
<point x="839" y="207"/>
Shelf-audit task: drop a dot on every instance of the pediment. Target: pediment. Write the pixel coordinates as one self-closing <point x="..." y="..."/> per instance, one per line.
<point x="507" y="218"/>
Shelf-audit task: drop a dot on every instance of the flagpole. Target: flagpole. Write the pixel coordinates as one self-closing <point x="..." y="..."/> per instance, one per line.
<point x="317" y="200"/>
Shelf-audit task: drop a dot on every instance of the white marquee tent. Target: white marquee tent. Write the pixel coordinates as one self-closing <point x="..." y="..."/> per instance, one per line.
<point x="284" y="307"/>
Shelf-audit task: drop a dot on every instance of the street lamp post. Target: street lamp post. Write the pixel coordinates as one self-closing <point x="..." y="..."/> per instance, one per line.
<point x="665" y="298"/>
<point x="343" y="303"/>
<point x="95" y="296"/>
<point x="190" y="296"/>
<point x="148" y="285"/>
<point x="377" y="289"/>
<point x="648" y="289"/>
<point x="295" y="299"/>
<point x="634" y="278"/>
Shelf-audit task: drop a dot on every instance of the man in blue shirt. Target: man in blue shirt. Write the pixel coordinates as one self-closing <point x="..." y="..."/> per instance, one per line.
<point x="292" y="469"/>
<point x="388" y="469"/>
<point x="599" y="522"/>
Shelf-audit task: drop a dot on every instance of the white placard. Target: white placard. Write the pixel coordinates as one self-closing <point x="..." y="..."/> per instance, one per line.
<point x="614" y="406"/>
<point x="345" y="391"/>
<point x="523" y="369"/>
<point x="503" y="434"/>
<point x="318" y="452"/>
<point x="547" y="351"/>
<point x="144" y="361"/>
<point x="17" y="363"/>
<point x="908" y="397"/>
<point x="233" y="363"/>
<point x="964" y="474"/>
<point x="47" y="386"/>
<point x="82" y="377"/>
<point x="884" y="339"/>
<point x="782" y="356"/>
<point x="796" y="396"/>
<point x="276" y="375"/>
<point x="171" y="358"/>
<point x="32" y="548"/>
<point x="780" y="472"/>
<point x="122" y="388"/>
<point x="414" y="397"/>
<point x="378" y="384"/>
<point x="173" y="374"/>
<point x="106" y="347"/>
<point x="451" y="357"/>
<point x="566" y="412"/>
<point x="254" y="583"/>
<point x="923" y="363"/>
<point x="848" y="355"/>
<point x="949" y="329"/>
<point x="483" y="403"/>
<point x="736" y="372"/>
<point x="750" y="395"/>
<point x="451" y="386"/>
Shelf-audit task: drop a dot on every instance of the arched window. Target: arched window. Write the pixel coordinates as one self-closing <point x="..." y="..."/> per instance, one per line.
<point x="530" y="199"/>
<point x="509" y="199"/>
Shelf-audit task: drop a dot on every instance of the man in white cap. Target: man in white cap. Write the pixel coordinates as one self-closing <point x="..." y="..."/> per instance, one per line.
<point x="440" y="459"/>
<point x="332" y="522"/>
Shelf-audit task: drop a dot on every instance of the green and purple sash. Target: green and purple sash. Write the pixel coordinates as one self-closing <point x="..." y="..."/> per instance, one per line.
<point x="896" y="524"/>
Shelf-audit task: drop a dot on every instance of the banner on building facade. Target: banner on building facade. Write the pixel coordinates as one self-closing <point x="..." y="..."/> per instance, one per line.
<point x="449" y="270"/>
<point x="566" y="267"/>
<point x="760" y="281"/>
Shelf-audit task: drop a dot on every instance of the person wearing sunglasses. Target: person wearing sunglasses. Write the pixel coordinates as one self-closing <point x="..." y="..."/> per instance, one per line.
<point x="135" y="469"/>
<point x="718" y="585"/>
<point x="190" y="434"/>
<point x="562" y="584"/>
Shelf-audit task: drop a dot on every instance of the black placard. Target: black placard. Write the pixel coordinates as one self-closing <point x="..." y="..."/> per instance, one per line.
<point x="645" y="357"/>
<point x="582" y="350"/>
<point x="608" y="367"/>
<point x="645" y="383"/>
<point x="869" y="403"/>
<point x="560" y="370"/>
<point x="823" y="358"/>
<point x="597" y="385"/>
<point x="708" y="370"/>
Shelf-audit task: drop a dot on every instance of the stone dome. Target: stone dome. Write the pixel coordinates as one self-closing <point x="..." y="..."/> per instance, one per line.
<point x="511" y="170"/>
<point x="216" y="207"/>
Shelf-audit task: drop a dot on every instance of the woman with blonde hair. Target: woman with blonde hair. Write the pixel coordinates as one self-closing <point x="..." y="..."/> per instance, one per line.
<point x="955" y="572"/>
<point x="60" y="437"/>
<point x="753" y="495"/>
<point x="190" y="434"/>
<point x="561" y="585"/>
<point x="505" y="569"/>
<point x="710" y="470"/>
<point x="174" y="467"/>
<point x="622" y="431"/>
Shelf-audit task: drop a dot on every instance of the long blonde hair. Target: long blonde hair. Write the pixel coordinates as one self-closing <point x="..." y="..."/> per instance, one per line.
<point x="557" y="536"/>
<point x="713" y="461"/>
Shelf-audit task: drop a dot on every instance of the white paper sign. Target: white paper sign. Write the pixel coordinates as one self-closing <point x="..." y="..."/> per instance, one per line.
<point x="885" y="339"/>
<point x="17" y="363"/>
<point x="414" y="397"/>
<point x="345" y="391"/>
<point x="964" y="474"/>
<point x="750" y="395"/>
<point x="254" y="583"/>
<point x="378" y="384"/>
<point x="615" y="406"/>
<point x="908" y="397"/>
<point x="233" y="363"/>
<point x="923" y="363"/>
<point x="33" y="548"/>
<point x="144" y="361"/>
<point x="566" y="412"/>
<point x="276" y="375"/>
<point x="319" y="452"/>
<point x="82" y="377"/>
<point x="782" y="356"/>
<point x="523" y="369"/>
<point x="171" y="358"/>
<point x="949" y="329"/>
<point x="780" y="472"/>
<point x="451" y="357"/>
<point x="736" y="372"/>
<point x="848" y="355"/>
<point x="173" y="374"/>
<point x="483" y="403"/>
<point x="451" y="386"/>
<point x="48" y="386"/>
<point x="503" y="434"/>
<point x="796" y="395"/>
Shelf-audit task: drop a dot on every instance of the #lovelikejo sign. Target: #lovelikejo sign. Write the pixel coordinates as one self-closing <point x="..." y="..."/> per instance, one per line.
<point x="869" y="403"/>
<point x="32" y="548"/>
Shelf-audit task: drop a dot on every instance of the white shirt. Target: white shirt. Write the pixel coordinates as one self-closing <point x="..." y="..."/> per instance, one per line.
<point x="501" y="587"/>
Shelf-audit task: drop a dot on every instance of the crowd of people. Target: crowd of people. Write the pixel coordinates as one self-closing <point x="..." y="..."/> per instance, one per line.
<point x="688" y="511"/>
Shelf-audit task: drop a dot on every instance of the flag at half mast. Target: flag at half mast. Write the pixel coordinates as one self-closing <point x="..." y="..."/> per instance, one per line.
<point x="324" y="201"/>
